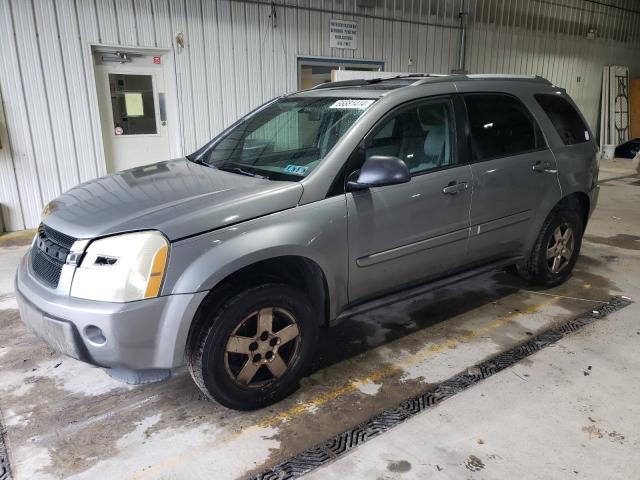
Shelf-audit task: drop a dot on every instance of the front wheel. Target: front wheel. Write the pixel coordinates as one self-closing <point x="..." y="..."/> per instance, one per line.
<point x="556" y="249"/>
<point x="253" y="350"/>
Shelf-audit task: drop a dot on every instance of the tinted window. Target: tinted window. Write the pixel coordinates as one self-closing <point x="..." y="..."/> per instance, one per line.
<point x="564" y="118"/>
<point x="501" y="126"/>
<point x="421" y="135"/>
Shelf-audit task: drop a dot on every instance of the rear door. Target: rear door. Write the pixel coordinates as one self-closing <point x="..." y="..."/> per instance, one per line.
<point x="515" y="179"/>
<point x="403" y="234"/>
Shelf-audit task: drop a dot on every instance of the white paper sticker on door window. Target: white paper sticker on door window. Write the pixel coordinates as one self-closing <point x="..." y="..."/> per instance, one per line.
<point x="133" y="104"/>
<point x="358" y="104"/>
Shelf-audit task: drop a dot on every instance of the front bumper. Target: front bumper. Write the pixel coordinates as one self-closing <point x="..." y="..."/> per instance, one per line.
<point x="145" y="334"/>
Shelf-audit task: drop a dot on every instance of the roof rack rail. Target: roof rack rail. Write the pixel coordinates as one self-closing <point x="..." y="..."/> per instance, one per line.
<point x="347" y="83"/>
<point x="424" y="78"/>
<point x="369" y="81"/>
<point x="507" y="76"/>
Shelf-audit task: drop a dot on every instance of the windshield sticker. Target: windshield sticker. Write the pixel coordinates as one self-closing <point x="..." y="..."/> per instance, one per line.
<point x="357" y="104"/>
<point x="295" y="169"/>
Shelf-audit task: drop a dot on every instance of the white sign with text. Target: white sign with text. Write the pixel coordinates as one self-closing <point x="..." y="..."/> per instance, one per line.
<point x="343" y="33"/>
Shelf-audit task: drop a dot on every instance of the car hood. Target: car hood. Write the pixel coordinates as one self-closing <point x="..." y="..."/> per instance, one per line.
<point x="177" y="197"/>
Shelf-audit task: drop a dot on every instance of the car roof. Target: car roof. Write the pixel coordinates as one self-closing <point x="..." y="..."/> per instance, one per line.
<point x="376" y="87"/>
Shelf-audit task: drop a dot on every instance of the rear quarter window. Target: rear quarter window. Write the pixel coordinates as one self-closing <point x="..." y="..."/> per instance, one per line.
<point x="565" y="119"/>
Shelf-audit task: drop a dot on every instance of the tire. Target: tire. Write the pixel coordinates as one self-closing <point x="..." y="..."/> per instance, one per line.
<point x="540" y="270"/>
<point x="229" y="357"/>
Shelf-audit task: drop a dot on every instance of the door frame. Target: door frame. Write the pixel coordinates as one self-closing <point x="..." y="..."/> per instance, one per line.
<point x="170" y="87"/>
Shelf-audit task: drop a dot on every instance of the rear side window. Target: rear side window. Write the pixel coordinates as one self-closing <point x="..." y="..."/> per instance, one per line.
<point x="501" y="126"/>
<point x="564" y="118"/>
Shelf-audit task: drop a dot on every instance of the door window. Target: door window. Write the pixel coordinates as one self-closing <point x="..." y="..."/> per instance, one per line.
<point x="501" y="126"/>
<point x="421" y="135"/>
<point x="132" y="104"/>
<point x="564" y="118"/>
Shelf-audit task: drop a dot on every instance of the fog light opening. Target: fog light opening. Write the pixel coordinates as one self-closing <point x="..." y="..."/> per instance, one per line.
<point x="95" y="335"/>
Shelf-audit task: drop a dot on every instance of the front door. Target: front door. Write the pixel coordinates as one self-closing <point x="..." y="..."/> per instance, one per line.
<point x="408" y="233"/>
<point x="131" y="97"/>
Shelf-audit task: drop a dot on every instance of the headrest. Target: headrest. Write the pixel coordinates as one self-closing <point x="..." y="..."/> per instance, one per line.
<point x="431" y="115"/>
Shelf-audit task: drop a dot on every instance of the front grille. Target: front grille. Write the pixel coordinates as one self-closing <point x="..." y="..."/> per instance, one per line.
<point x="47" y="270"/>
<point x="58" y="237"/>
<point x="49" y="254"/>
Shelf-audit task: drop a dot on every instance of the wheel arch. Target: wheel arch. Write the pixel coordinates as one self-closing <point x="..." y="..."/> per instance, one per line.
<point x="295" y="270"/>
<point x="580" y="201"/>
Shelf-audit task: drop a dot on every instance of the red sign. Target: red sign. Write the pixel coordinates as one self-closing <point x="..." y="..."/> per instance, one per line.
<point x="156" y="60"/>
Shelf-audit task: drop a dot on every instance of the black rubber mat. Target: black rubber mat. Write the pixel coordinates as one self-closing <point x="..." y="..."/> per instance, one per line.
<point x="342" y="443"/>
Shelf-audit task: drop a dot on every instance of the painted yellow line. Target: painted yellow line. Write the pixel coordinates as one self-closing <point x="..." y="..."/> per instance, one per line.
<point x="346" y="388"/>
<point x="412" y="360"/>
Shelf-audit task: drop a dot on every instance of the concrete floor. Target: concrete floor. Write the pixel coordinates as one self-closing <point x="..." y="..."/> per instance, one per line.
<point x="569" y="411"/>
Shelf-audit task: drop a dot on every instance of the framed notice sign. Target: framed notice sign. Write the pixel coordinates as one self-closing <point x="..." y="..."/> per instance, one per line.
<point x="343" y="33"/>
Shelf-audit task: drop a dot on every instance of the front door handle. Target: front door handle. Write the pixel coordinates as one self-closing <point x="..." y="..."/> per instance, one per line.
<point x="454" y="187"/>
<point x="543" y="167"/>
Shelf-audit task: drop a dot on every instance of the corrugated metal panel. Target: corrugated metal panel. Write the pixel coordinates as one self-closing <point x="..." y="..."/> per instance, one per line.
<point x="58" y="113"/>
<point x="144" y="22"/>
<point x="76" y="92"/>
<point x="10" y="205"/>
<point x="126" y="22"/>
<point x="238" y="54"/>
<point x="10" y="209"/>
<point x="17" y="120"/>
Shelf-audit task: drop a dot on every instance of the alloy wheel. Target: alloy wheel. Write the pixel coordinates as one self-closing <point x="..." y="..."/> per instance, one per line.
<point x="262" y="347"/>
<point x="560" y="248"/>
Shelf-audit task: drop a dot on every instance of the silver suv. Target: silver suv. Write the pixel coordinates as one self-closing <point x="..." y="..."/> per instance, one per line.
<point x="315" y="206"/>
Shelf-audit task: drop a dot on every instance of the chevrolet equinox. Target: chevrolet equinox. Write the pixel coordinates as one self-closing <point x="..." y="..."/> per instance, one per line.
<point x="317" y="205"/>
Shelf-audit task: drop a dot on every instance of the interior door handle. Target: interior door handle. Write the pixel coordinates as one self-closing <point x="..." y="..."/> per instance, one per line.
<point x="454" y="187"/>
<point x="543" y="167"/>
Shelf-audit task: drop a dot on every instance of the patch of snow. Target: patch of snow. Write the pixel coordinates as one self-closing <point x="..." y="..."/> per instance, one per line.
<point x="369" y="388"/>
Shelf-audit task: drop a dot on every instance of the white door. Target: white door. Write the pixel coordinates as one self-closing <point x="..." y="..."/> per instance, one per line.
<point x="131" y="97"/>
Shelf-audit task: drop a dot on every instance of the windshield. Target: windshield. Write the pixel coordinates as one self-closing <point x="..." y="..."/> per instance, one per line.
<point x="287" y="139"/>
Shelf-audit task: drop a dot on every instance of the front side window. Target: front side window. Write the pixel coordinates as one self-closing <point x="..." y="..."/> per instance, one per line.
<point x="501" y="126"/>
<point x="564" y="118"/>
<point x="287" y="139"/>
<point x="421" y="135"/>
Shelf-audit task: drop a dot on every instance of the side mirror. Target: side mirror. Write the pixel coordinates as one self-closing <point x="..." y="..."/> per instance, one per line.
<point x="379" y="171"/>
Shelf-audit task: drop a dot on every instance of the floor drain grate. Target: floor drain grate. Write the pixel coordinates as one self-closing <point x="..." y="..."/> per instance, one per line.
<point x="332" y="448"/>
<point x="5" y="470"/>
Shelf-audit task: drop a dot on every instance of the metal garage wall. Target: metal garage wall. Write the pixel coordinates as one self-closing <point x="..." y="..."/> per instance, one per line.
<point x="238" y="54"/>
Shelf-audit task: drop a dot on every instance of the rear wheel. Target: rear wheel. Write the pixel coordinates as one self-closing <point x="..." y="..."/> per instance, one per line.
<point x="556" y="249"/>
<point x="253" y="350"/>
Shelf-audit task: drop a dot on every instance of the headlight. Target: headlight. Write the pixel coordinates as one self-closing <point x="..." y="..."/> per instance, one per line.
<point x="122" y="268"/>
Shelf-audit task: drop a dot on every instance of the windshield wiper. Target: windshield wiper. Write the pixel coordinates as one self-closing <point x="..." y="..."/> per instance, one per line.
<point x="242" y="172"/>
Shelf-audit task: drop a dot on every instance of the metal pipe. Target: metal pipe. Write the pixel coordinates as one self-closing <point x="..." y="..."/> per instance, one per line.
<point x="348" y="13"/>
<point x="462" y="44"/>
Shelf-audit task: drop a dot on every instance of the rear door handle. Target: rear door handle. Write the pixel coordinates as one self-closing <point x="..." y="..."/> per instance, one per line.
<point x="454" y="187"/>
<point x="543" y="167"/>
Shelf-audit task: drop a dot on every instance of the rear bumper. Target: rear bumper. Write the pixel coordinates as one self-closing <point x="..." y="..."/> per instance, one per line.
<point x="138" y="335"/>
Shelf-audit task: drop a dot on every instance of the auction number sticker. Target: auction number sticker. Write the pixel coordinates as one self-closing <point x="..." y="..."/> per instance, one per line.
<point x="357" y="104"/>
